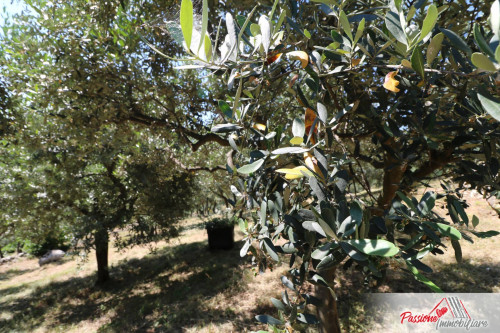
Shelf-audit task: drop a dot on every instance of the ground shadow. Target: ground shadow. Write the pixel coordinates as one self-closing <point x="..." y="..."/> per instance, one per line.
<point x="465" y="277"/>
<point x="12" y="273"/>
<point x="162" y="292"/>
<point x="9" y="291"/>
<point x="176" y="288"/>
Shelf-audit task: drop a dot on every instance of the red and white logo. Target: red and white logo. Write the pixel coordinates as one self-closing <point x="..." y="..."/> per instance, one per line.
<point x="449" y="312"/>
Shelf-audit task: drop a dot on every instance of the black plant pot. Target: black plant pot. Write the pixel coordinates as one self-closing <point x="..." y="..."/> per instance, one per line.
<point x="221" y="238"/>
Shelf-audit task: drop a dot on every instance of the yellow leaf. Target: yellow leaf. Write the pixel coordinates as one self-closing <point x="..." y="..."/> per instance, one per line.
<point x="355" y="62"/>
<point x="260" y="127"/>
<point x="390" y="82"/>
<point x="312" y="163"/>
<point x="297" y="172"/>
<point x="310" y="117"/>
<point x="292" y="82"/>
<point x="296" y="140"/>
<point x="421" y="84"/>
<point x="309" y="120"/>
<point x="406" y="64"/>
<point x="310" y="160"/>
<point x="273" y="58"/>
<point x="299" y="55"/>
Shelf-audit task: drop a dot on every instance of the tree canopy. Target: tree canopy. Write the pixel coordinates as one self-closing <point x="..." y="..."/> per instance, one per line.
<point x="102" y="134"/>
<point x="320" y="93"/>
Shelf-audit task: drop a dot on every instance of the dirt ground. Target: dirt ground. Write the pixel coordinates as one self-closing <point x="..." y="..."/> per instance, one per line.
<point x="180" y="287"/>
<point x="479" y="271"/>
<point x="183" y="287"/>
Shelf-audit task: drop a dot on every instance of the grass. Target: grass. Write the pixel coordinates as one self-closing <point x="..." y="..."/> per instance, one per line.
<point x="183" y="287"/>
<point x="479" y="271"/>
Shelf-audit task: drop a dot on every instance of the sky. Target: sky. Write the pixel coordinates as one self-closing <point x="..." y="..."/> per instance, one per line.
<point x="8" y="8"/>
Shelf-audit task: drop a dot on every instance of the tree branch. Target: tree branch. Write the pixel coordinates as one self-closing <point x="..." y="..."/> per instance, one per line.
<point x="398" y="67"/>
<point x="201" y="138"/>
<point x="394" y="170"/>
<point x="192" y="168"/>
<point x="374" y="163"/>
<point x="437" y="160"/>
<point x="206" y="138"/>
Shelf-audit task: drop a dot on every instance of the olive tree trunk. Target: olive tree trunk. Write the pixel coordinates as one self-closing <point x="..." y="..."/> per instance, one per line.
<point x="327" y="310"/>
<point x="101" y="253"/>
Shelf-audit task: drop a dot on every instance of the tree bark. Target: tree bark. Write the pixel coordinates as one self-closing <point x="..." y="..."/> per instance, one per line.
<point x="393" y="174"/>
<point x="101" y="253"/>
<point x="327" y="310"/>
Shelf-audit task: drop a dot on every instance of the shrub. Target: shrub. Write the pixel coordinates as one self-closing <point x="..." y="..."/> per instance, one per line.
<point x="51" y="242"/>
<point x="219" y="223"/>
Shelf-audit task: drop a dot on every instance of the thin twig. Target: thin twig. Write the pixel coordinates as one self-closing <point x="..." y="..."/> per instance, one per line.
<point x="398" y="67"/>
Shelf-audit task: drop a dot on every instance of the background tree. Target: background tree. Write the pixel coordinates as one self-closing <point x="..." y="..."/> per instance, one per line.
<point x="405" y="87"/>
<point x="99" y="117"/>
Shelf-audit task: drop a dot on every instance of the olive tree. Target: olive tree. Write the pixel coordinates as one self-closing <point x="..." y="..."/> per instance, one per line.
<point x="96" y="139"/>
<point x="319" y="90"/>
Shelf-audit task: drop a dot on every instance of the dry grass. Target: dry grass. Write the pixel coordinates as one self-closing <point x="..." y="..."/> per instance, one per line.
<point x="182" y="287"/>
<point x="479" y="272"/>
<point x="480" y="269"/>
